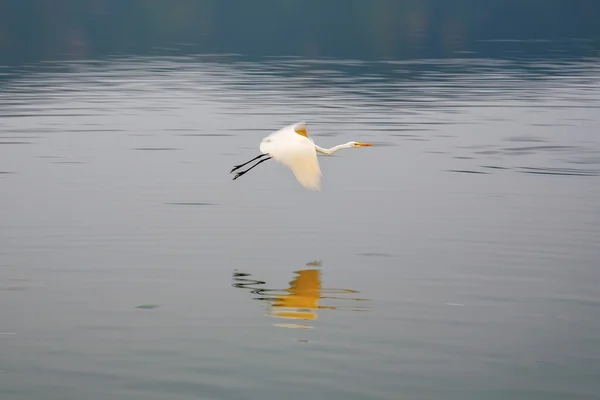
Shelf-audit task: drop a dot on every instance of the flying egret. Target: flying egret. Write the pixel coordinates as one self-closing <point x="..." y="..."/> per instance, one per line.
<point x="292" y="147"/>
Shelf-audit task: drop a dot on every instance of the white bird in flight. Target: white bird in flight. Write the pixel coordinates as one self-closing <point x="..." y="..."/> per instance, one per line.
<point x="292" y="147"/>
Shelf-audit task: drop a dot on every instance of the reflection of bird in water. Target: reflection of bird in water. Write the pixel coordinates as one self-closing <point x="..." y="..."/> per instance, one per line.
<point x="301" y="297"/>
<point x="292" y="147"/>
<point x="301" y="300"/>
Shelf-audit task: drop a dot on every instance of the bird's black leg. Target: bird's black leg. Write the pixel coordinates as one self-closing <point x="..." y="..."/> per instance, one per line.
<point x="243" y="172"/>
<point x="248" y="162"/>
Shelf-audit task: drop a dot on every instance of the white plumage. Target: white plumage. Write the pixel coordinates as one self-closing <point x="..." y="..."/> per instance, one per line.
<point x="292" y="147"/>
<point x="295" y="151"/>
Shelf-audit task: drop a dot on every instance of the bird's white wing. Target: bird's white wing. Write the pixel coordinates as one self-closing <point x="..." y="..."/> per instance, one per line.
<point x="297" y="153"/>
<point x="305" y="167"/>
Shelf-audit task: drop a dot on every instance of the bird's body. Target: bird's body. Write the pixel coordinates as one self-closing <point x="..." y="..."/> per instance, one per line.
<point x="292" y="147"/>
<point x="295" y="151"/>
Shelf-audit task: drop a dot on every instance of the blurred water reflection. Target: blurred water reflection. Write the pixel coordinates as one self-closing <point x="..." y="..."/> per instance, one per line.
<point x="301" y="300"/>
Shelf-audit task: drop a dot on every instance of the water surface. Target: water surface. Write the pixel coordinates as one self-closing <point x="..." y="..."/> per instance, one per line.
<point x="456" y="259"/>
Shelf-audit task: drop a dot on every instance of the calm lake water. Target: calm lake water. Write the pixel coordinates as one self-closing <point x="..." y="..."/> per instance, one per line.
<point x="458" y="258"/>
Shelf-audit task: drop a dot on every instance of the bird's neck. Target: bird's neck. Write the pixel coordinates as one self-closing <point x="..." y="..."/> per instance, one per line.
<point x="333" y="149"/>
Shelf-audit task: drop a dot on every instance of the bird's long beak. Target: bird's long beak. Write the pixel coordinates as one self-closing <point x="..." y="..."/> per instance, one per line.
<point x="364" y="144"/>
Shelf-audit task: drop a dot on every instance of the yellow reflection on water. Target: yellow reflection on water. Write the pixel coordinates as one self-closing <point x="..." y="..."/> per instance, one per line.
<point x="300" y="301"/>
<point x="301" y="298"/>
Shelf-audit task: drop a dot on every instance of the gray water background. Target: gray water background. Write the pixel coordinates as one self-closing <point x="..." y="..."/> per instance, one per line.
<point x="469" y="232"/>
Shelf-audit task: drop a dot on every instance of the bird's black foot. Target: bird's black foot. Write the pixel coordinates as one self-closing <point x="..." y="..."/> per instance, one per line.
<point x="238" y="174"/>
<point x="254" y="166"/>
<point x="248" y="162"/>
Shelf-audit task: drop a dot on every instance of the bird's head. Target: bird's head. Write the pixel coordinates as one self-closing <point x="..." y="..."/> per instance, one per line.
<point x="360" y="144"/>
